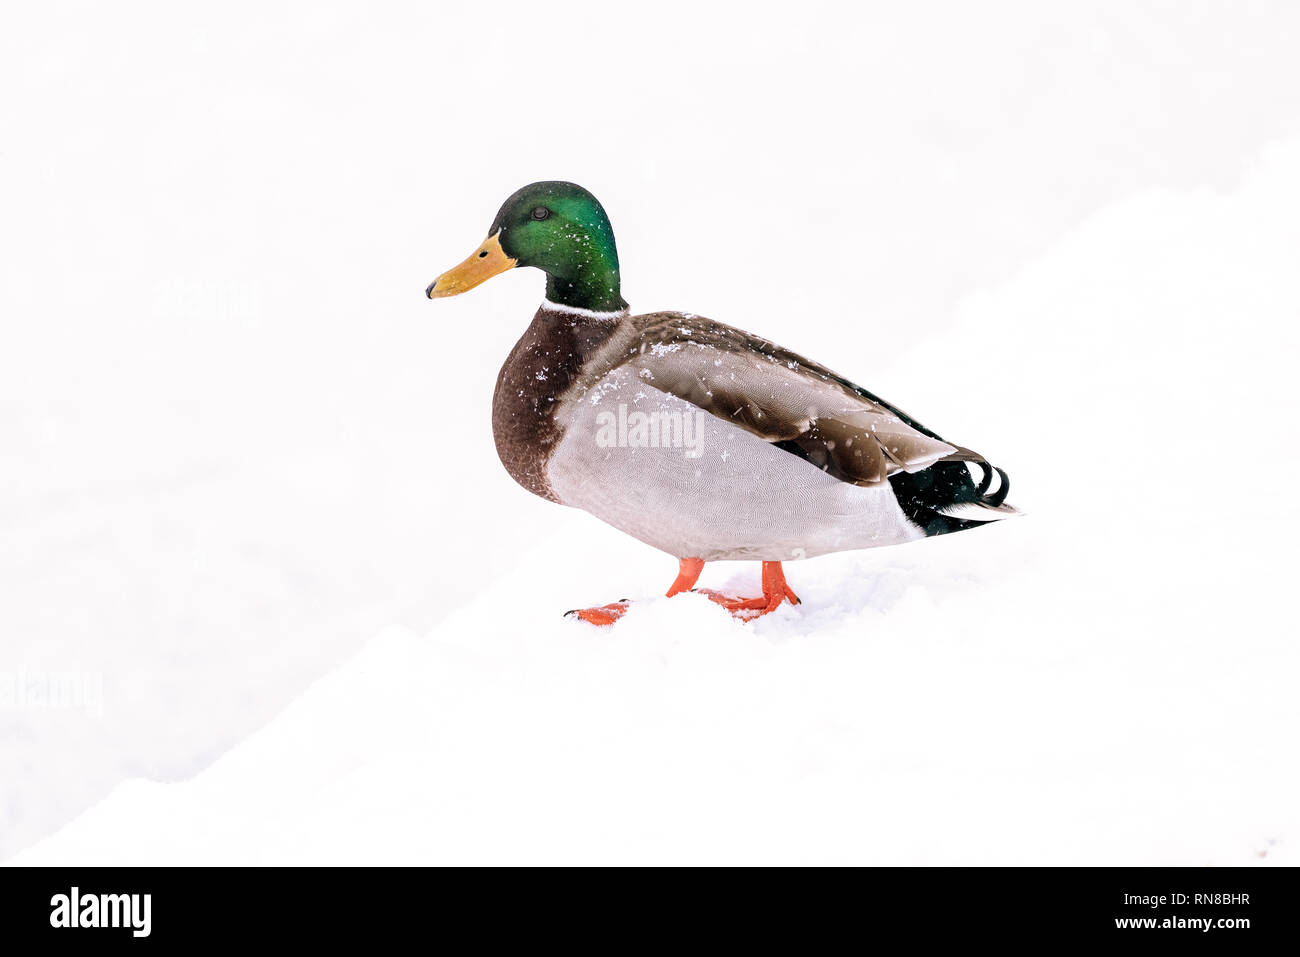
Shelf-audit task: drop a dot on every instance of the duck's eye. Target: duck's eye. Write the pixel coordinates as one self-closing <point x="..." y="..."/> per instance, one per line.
<point x="540" y="213"/>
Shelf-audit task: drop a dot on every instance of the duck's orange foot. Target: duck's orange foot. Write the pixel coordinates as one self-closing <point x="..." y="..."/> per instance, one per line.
<point x="602" y="614"/>
<point x="743" y="608"/>
<point x="687" y="575"/>
<point x="775" y="591"/>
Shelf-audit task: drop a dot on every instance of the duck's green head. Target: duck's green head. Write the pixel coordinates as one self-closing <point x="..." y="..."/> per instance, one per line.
<point x="562" y="230"/>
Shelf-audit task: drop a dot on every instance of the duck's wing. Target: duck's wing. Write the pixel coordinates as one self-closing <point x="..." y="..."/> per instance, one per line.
<point x="782" y="397"/>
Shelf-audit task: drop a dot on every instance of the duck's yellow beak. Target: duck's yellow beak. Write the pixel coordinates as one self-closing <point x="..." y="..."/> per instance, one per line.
<point x="487" y="261"/>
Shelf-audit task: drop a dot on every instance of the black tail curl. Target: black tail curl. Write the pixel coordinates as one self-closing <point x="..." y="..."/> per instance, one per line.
<point x="924" y="495"/>
<point x="981" y="490"/>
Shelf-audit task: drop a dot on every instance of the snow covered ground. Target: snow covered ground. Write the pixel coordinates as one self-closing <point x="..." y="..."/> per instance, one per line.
<point x="1108" y="680"/>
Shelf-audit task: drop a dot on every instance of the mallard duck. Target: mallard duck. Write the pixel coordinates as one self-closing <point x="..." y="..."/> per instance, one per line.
<point x="697" y="438"/>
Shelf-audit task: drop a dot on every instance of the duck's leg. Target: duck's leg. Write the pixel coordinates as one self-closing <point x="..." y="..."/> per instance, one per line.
<point x="688" y="573"/>
<point x="775" y="591"/>
<point x="774" y="584"/>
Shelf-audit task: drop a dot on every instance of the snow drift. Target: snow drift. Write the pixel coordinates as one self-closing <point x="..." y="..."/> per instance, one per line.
<point x="1109" y="680"/>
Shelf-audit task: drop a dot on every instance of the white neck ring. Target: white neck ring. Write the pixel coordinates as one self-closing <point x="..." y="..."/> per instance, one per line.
<point x="586" y="313"/>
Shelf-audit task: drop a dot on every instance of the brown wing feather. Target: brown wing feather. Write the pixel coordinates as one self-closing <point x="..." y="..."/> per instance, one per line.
<point x="779" y="396"/>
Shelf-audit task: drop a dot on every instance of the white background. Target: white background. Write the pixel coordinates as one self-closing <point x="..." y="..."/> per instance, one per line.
<point x="236" y="441"/>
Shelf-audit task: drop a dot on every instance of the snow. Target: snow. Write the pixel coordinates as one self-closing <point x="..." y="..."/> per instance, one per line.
<point x="1109" y="679"/>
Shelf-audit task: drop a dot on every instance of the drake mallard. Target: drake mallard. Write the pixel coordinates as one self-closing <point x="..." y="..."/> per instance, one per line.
<point x="697" y="438"/>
